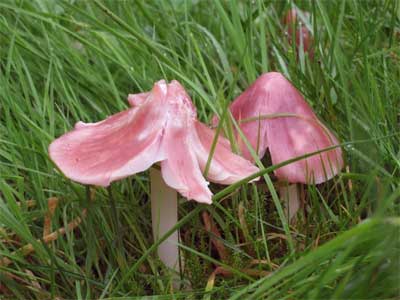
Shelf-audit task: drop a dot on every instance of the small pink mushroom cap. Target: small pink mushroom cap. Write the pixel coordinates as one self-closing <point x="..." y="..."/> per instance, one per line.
<point x="302" y="34"/>
<point x="268" y="100"/>
<point x="160" y="127"/>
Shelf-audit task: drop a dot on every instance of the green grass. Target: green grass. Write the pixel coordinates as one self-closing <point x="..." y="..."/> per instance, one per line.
<point x="65" y="61"/>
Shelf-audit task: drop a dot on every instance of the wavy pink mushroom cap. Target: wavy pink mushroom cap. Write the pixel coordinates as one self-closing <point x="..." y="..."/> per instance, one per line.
<point x="160" y="127"/>
<point x="286" y="137"/>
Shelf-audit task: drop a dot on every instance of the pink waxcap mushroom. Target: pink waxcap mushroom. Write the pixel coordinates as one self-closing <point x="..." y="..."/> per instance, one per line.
<point x="302" y="35"/>
<point x="137" y="99"/>
<point x="274" y="115"/>
<point x="160" y="127"/>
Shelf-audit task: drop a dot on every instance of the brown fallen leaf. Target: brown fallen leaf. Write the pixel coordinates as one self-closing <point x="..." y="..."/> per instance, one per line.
<point x="34" y="283"/>
<point x="264" y="262"/>
<point x="27" y="249"/>
<point x="52" y="205"/>
<point x="215" y="235"/>
<point x="226" y="273"/>
<point x="245" y="229"/>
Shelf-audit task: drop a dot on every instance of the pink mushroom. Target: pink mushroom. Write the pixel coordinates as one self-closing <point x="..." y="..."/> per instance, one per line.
<point x="302" y="34"/>
<point x="161" y="126"/>
<point x="273" y="115"/>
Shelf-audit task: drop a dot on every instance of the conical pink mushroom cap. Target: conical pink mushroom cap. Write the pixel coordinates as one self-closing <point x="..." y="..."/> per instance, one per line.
<point x="160" y="127"/>
<point x="286" y="137"/>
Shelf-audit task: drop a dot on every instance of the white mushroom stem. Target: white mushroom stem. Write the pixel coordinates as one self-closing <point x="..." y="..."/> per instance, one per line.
<point x="291" y="196"/>
<point x="164" y="215"/>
